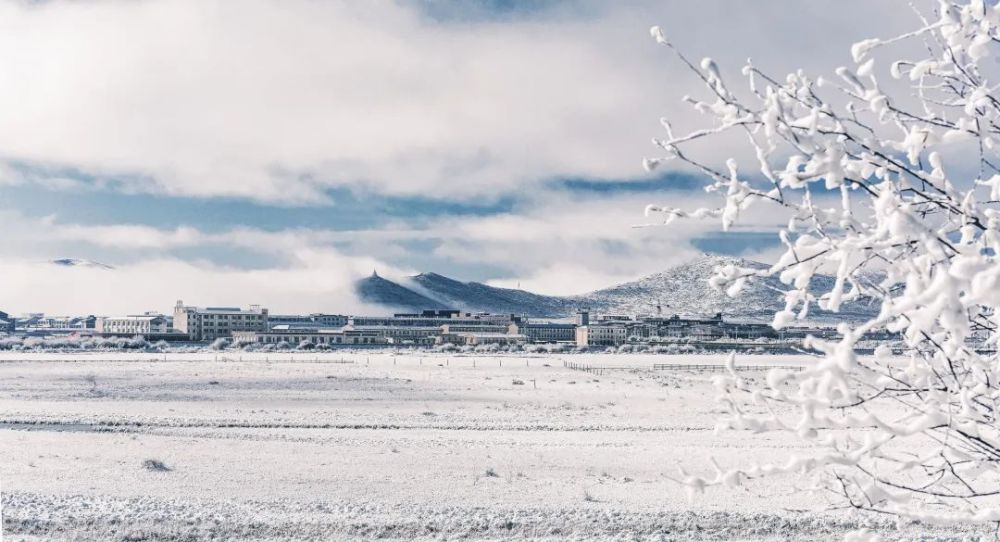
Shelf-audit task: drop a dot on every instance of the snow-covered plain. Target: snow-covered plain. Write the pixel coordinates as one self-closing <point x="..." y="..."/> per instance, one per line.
<point x="364" y="445"/>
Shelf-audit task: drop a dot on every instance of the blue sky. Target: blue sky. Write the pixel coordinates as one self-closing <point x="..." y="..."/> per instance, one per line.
<point x="262" y="151"/>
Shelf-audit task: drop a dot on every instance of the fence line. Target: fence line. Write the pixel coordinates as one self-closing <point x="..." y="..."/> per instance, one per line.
<point x="601" y="369"/>
<point x="722" y="368"/>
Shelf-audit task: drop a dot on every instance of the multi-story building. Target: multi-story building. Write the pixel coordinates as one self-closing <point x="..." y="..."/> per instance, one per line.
<point x="210" y="323"/>
<point x="131" y="325"/>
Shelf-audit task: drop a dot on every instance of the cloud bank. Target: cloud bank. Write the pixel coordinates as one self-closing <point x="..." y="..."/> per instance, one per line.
<point x="289" y="104"/>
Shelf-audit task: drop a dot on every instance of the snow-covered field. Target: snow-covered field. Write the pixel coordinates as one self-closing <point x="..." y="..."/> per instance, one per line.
<point x="334" y="446"/>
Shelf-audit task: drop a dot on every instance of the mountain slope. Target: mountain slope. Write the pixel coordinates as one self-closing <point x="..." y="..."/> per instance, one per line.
<point x="475" y="296"/>
<point x="379" y="291"/>
<point x="682" y="289"/>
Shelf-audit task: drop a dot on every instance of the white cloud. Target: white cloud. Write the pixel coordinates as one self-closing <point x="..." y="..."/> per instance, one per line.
<point x="276" y="101"/>
<point x="561" y="244"/>
<point x="321" y="283"/>
<point x="304" y="274"/>
<point x="569" y="245"/>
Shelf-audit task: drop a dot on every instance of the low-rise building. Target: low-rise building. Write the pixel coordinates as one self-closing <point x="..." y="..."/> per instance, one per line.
<point x="480" y="338"/>
<point x="402" y="335"/>
<point x="210" y="323"/>
<point x="434" y="318"/>
<point x="601" y="334"/>
<point x="546" y="332"/>
<point x="326" y="337"/>
<point x="316" y="320"/>
<point x="82" y="322"/>
<point x="6" y="323"/>
<point x="131" y="325"/>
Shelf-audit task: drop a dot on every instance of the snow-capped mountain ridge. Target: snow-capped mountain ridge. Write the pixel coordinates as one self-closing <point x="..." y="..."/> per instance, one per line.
<point x="683" y="289"/>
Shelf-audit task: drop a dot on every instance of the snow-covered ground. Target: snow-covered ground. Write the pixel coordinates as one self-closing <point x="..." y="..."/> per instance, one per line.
<point x="333" y="446"/>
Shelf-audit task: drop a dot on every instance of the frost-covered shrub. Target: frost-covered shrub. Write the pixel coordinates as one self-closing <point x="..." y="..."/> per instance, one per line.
<point x="888" y="175"/>
<point x="155" y="465"/>
<point x="220" y="344"/>
<point x="241" y="344"/>
<point x="64" y="343"/>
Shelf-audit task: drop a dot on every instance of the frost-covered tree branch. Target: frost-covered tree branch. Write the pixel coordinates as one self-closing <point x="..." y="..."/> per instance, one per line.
<point x="889" y="171"/>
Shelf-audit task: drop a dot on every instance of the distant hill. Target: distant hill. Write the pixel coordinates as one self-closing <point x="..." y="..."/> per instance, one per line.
<point x="682" y="289"/>
<point x="77" y="262"/>
<point x="379" y="291"/>
<point x="685" y="289"/>
<point x="475" y="296"/>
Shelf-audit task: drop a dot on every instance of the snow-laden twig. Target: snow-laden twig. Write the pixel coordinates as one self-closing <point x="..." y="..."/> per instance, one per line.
<point x="880" y="192"/>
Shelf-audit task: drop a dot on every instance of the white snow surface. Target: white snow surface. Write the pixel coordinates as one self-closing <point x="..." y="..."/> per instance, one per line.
<point x="366" y="445"/>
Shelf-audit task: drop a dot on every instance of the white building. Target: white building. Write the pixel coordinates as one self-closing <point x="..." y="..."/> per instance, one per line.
<point x="210" y="323"/>
<point x="480" y="338"/>
<point x="546" y="332"/>
<point x="316" y="320"/>
<point x="434" y="319"/>
<point x="601" y="335"/>
<point x="131" y="325"/>
<point x="407" y="335"/>
<point x="329" y="337"/>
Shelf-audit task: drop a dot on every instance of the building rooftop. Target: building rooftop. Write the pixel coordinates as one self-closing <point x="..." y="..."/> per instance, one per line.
<point x="379" y="328"/>
<point x="489" y="335"/>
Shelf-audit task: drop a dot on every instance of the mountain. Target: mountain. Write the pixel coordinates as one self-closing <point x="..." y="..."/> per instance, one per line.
<point x="682" y="289"/>
<point x="77" y="262"/>
<point x="474" y="296"/>
<point x="379" y="291"/>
